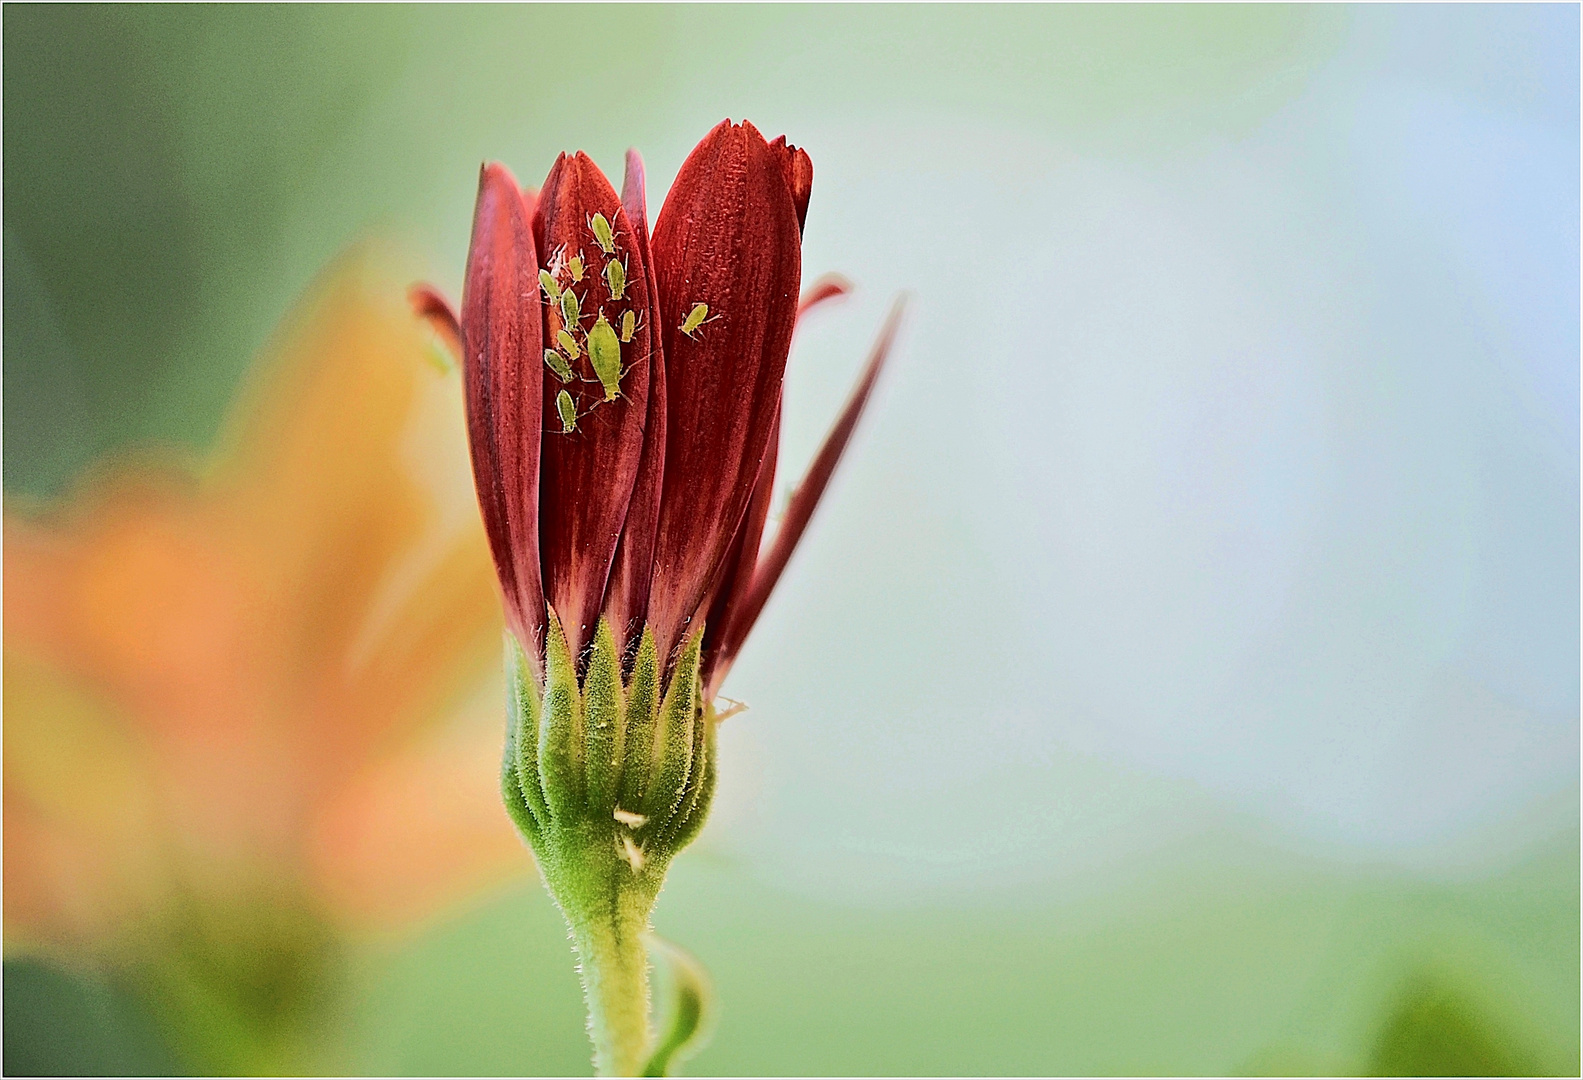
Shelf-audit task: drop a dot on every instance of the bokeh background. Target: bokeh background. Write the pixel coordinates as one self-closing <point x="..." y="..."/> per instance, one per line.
<point x="1181" y="676"/>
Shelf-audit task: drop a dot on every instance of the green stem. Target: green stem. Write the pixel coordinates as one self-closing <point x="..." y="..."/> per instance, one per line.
<point x="615" y="974"/>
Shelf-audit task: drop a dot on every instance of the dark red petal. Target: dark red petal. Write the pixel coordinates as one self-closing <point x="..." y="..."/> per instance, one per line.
<point x="430" y="304"/>
<point x="743" y="559"/>
<point x="627" y="598"/>
<point x="798" y="168"/>
<point x="827" y="287"/>
<point x="740" y="563"/>
<point x="727" y="237"/>
<point x="502" y="328"/>
<point x="804" y="499"/>
<point x="588" y="473"/>
<point x="635" y="197"/>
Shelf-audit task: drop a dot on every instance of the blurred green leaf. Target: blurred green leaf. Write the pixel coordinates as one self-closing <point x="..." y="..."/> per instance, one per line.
<point x="1433" y="1029"/>
<point x="62" y="1023"/>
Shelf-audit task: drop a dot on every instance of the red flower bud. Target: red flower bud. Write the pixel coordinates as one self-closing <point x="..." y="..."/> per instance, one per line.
<point x="624" y="391"/>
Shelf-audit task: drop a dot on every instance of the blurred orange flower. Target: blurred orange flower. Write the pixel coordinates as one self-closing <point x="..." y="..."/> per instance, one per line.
<point x="275" y="671"/>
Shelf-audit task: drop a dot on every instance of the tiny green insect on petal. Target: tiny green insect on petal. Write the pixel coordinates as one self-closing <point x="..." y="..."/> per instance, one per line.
<point x="695" y="318"/>
<point x="557" y="363"/>
<point x="616" y="278"/>
<point x="551" y="287"/>
<point x="566" y="408"/>
<point x="571" y="308"/>
<point x="629" y="325"/>
<point x="576" y="266"/>
<point x="568" y="344"/>
<point x="604" y="234"/>
<point x="604" y="353"/>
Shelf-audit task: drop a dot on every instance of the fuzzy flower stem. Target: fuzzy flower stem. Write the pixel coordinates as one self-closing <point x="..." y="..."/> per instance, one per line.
<point x="615" y="974"/>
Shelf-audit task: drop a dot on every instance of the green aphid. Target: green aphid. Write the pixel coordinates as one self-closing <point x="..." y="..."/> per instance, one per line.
<point x="696" y="318"/>
<point x="571" y="308"/>
<point x="557" y="363"/>
<point x="566" y="409"/>
<point x="629" y="325"/>
<point x="604" y="353"/>
<point x="576" y="266"/>
<point x="604" y="233"/>
<point x="568" y="344"/>
<point x="551" y="287"/>
<point x="616" y="278"/>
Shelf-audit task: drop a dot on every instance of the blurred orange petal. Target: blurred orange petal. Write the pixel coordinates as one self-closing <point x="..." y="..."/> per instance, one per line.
<point x="78" y="841"/>
<point x="270" y="632"/>
<point x="436" y="805"/>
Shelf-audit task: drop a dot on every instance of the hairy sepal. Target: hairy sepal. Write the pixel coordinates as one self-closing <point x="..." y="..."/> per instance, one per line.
<point x="607" y="779"/>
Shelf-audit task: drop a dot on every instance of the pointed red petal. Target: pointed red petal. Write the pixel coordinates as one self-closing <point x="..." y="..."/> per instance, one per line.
<point x="588" y="473"/>
<point x="727" y="237"/>
<point x="502" y="328"/>
<point x="805" y="499"/>
<point x="627" y="598"/>
<point x="430" y="304"/>
<point x="798" y="168"/>
<point x="635" y="197"/>
<point x="827" y="287"/>
<point x="740" y="563"/>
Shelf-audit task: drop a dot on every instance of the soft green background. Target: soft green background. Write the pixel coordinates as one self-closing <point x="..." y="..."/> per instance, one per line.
<point x="1183" y="674"/>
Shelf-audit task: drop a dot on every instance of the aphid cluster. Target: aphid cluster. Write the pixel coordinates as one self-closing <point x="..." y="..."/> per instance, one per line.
<point x="600" y="342"/>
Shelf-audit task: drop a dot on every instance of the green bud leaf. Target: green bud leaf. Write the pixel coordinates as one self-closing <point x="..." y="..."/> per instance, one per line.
<point x="685" y="1027"/>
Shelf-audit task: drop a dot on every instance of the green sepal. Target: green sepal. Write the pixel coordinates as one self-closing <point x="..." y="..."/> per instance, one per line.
<point x="604" y="724"/>
<point x="522" y="735"/>
<point x="614" y="761"/>
<point x="689" y="820"/>
<point x="511" y="791"/>
<point x="673" y="738"/>
<point x="560" y="730"/>
<point x="643" y="710"/>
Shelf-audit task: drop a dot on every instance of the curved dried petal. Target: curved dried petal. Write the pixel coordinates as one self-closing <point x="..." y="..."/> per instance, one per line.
<point x="504" y="371"/>
<point x="826" y="288"/>
<point x="429" y="304"/>
<point x="588" y="473"/>
<point x="727" y="238"/>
